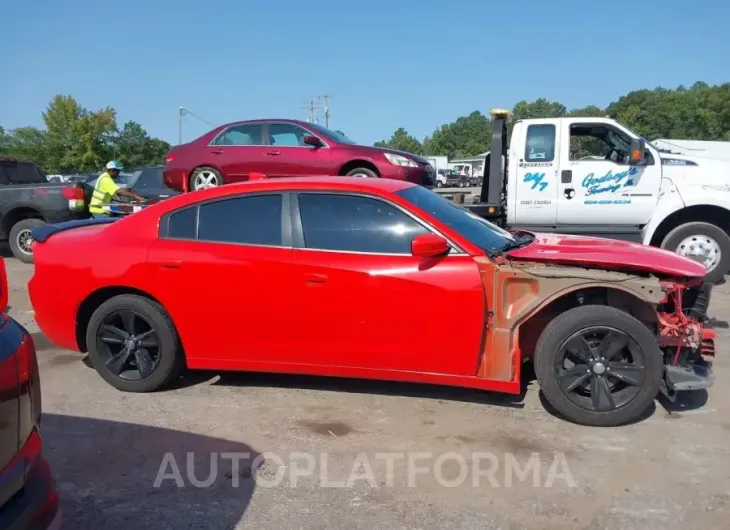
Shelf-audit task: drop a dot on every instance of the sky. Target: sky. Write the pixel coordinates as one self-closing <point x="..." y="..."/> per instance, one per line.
<point x="388" y="64"/>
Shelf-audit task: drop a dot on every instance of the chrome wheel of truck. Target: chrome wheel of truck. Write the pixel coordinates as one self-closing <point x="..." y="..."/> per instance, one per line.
<point x="705" y="243"/>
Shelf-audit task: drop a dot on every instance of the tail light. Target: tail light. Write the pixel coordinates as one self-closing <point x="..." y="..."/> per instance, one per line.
<point x="75" y="196"/>
<point x="169" y="158"/>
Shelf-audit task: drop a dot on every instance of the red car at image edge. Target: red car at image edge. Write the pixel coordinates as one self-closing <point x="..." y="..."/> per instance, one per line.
<point x="346" y="277"/>
<point x="28" y="497"/>
<point x="230" y="153"/>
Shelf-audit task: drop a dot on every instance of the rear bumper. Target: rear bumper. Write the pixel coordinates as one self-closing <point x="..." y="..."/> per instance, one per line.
<point x="36" y="506"/>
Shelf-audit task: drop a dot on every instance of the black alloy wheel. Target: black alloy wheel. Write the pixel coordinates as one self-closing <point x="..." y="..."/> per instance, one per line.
<point x="128" y="345"/>
<point x="598" y="365"/>
<point x="600" y="368"/>
<point x="133" y="344"/>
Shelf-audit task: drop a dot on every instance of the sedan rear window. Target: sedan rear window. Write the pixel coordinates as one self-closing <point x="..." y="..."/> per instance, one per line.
<point x="253" y="220"/>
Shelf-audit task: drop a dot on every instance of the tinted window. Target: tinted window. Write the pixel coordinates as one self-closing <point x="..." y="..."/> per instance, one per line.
<point x="540" y="146"/>
<point x="249" y="134"/>
<point x="252" y="220"/>
<point x="356" y="224"/>
<point x="149" y="179"/>
<point x="479" y="231"/>
<point x="287" y="135"/>
<point x="182" y="224"/>
<point x="23" y="173"/>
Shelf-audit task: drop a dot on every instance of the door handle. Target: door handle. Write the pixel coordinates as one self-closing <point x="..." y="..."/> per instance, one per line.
<point x="217" y="152"/>
<point x="316" y="278"/>
<point x="170" y="264"/>
<point x="273" y="153"/>
<point x="566" y="176"/>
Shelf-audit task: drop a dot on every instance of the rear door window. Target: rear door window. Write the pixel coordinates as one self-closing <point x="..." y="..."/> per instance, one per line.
<point x="252" y="220"/>
<point x="540" y="145"/>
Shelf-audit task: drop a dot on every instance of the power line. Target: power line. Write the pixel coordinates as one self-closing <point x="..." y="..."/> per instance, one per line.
<point x="185" y="112"/>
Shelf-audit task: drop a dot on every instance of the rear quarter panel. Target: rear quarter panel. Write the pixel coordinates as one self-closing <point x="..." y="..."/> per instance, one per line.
<point x="72" y="265"/>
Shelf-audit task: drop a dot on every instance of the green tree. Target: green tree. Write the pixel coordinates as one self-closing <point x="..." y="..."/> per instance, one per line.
<point x="131" y="145"/>
<point x="27" y="143"/>
<point x="467" y="136"/>
<point x="402" y="141"/>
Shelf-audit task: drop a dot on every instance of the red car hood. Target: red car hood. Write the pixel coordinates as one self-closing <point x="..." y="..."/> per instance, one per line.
<point x="607" y="254"/>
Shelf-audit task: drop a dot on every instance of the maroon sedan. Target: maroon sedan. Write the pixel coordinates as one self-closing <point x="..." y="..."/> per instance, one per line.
<point x="284" y="148"/>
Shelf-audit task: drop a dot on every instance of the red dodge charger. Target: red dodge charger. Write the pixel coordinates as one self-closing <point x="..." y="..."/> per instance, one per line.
<point x="342" y="277"/>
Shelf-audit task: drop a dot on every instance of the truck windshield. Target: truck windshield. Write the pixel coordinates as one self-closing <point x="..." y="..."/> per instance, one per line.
<point x="478" y="231"/>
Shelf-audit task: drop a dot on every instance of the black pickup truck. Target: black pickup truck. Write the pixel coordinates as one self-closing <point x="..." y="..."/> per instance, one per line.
<point x="28" y="200"/>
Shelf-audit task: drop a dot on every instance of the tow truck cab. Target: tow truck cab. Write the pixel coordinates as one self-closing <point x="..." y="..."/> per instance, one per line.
<point x="594" y="176"/>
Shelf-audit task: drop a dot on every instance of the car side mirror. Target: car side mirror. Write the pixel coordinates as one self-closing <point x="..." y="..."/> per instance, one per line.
<point x="429" y="246"/>
<point x="638" y="152"/>
<point x="312" y="140"/>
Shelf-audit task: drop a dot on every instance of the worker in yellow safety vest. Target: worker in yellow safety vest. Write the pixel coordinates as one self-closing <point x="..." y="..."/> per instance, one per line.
<point x="105" y="189"/>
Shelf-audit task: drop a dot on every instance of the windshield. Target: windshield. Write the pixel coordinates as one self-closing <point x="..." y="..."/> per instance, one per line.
<point x="647" y="142"/>
<point x="337" y="136"/>
<point x="478" y="231"/>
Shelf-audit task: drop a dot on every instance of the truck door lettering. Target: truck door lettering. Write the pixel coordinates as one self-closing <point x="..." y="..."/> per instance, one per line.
<point x="536" y="179"/>
<point x="608" y="183"/>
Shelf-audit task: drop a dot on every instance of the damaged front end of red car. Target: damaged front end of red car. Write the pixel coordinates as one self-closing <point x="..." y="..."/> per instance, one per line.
<point x="685" y="337"/>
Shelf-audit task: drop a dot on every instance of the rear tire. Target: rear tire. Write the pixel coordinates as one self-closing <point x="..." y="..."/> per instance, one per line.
<point x="706" y="238"/>
<point x="20" y="239"/>
<point x="609" y="371"/>
<point x="165" y="361"/>
<point x="205" y="177"/>
<point x="362" y="172"/>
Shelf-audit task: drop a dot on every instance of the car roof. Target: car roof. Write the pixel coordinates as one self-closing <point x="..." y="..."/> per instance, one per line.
<point x="313" y="182"/>
<point x="266" y="120"/>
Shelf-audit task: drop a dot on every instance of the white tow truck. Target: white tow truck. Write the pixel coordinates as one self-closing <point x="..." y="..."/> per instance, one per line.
<point x="595" y="176"/>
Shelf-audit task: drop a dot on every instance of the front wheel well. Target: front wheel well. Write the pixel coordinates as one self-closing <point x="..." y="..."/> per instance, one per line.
<point x="353" y="164"/>
<point x="92" y="303"/>
<point x="532" y="328"/>
<point x="705" y="213"/>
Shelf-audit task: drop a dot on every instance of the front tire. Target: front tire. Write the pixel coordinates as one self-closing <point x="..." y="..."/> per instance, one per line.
<point x="362" y="172"/>
<point x="614" y="366"/>
<point x="705" y="243"/>
<point x="133" y="344"/>
<point x="204" y="178"/>
<point x="20" y="239"/>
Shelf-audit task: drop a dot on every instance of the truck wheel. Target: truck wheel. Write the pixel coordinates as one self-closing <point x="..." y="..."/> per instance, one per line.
<point x="205" y="177"/>
<point x="598" y="366"/>
<point x="703" y="242"/>
<point x="362" y="172"/>
<point x="21" y="239"/>
<point x="133" y="344"/>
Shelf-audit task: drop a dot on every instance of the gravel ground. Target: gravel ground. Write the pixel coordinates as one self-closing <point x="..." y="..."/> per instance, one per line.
<point x="124" y="461"/>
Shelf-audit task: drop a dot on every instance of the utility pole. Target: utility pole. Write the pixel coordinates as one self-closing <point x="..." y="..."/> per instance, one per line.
<point x="179" y="125"/>
<point x="326" y="106"/>
<point x="312" y="107"/>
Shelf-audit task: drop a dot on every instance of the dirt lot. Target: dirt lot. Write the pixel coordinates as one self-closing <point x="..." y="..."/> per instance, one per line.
<point x="669" y="471"/>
